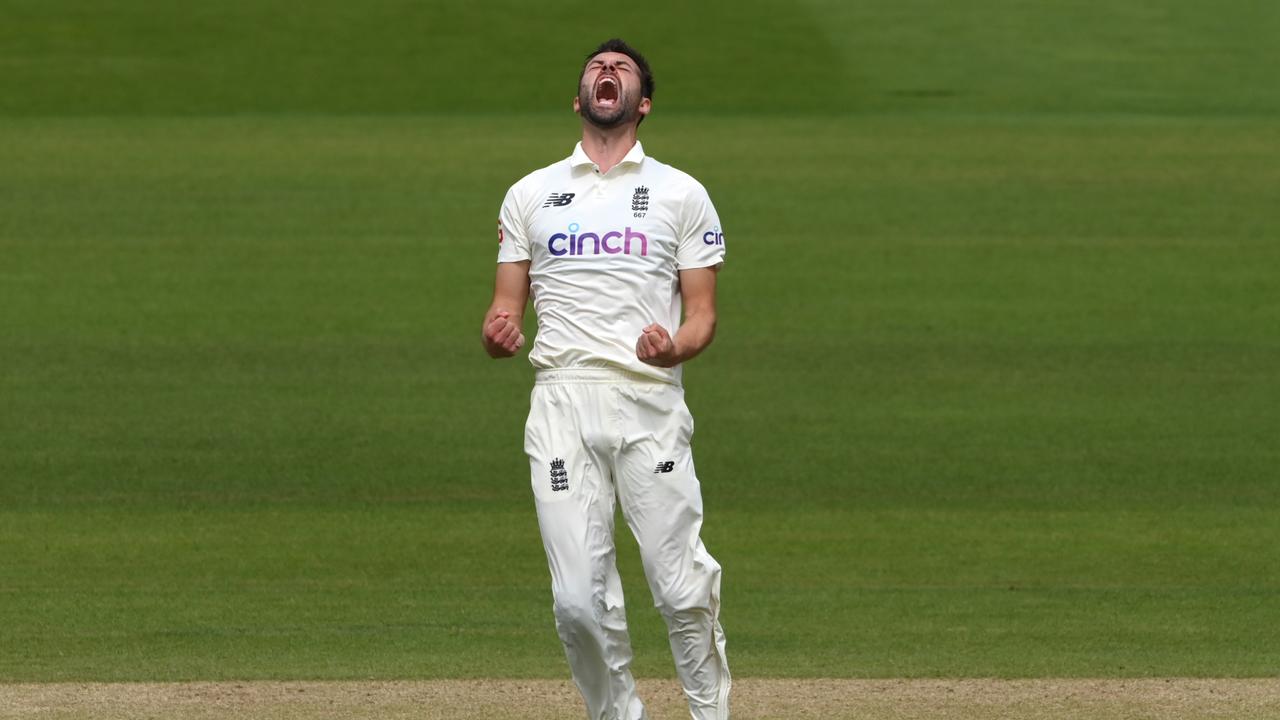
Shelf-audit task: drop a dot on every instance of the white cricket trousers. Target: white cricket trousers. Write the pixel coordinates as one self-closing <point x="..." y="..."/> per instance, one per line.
<point x="596" y="437"/>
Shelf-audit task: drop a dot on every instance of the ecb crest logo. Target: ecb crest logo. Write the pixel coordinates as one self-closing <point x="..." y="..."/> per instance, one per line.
<point x="640" y="202"/>
<point x="559" y="476"/>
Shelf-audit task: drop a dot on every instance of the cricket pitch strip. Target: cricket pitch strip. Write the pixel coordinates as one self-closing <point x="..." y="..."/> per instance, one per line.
<point x="753" y="699"/>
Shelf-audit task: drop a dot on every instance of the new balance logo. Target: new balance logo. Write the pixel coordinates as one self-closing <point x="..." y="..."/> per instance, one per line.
<point x="665" y="467"/>
<point x="559" y="476"/>
<point x="558" y="200"/>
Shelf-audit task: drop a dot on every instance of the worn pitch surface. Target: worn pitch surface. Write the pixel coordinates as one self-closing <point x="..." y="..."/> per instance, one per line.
<point x="754" y="699"/>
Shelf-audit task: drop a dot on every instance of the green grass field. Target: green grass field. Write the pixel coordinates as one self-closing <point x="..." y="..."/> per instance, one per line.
<point x="995" y="389"/>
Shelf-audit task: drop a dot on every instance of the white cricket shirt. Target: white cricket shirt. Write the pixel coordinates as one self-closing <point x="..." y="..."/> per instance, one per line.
<point x="605" y="250"/>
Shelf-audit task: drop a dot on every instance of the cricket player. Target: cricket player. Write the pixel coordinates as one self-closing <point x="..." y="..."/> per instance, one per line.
<point x="612" y="245"/>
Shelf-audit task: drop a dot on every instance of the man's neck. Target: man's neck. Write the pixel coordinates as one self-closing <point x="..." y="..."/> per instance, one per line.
<point x="607" y="147"/>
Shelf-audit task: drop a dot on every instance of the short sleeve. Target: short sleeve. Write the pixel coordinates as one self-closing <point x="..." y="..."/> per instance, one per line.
<point x="701" y="237"/>
<point x="513" y="236"/>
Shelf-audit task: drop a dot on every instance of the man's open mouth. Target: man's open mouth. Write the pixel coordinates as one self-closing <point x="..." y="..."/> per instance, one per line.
<point x="607" y="91"/>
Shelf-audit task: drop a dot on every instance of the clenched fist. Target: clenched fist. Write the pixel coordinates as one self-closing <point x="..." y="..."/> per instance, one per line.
<point x="502" y="337"/>
<point x="656" y="347"/>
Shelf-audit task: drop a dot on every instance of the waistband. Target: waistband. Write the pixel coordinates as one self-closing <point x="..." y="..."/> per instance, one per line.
<point x="608" y="376"/>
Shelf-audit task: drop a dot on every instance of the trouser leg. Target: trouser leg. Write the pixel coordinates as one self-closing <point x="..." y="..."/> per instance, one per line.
<point x="662" y="503"/>
<point x="575" y="499"/>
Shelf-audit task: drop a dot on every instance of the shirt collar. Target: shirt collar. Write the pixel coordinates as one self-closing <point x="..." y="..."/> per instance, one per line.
<point x="579" y="158"/>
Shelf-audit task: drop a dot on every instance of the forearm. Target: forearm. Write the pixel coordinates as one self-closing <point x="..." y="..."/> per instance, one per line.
<point x="694" y="335"/>
<point x="502" y="332"/>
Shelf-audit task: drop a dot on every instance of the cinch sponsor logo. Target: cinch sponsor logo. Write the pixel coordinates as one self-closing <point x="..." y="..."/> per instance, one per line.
<point x="713" y="236"/>
<point x="591" y="243"/>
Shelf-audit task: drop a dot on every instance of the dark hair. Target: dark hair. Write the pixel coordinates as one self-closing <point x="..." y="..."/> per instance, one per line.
<point x="620" y="46"/>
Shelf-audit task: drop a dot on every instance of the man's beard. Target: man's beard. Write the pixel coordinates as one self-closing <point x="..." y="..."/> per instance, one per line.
<point x="624" y="112"/>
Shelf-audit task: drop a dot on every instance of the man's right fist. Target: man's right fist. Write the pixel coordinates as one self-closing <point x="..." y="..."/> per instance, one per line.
<point x="502" y="338"/>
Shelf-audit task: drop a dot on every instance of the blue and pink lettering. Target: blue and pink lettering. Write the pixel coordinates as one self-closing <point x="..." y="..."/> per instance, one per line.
<point x="576" y="243"/>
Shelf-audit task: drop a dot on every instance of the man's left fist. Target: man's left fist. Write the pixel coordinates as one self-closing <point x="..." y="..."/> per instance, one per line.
<point x="655" y="347"/>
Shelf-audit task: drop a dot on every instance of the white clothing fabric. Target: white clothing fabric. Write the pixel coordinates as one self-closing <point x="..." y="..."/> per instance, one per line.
<point x="605" y="251"/>
<point x="594" y="438"/>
